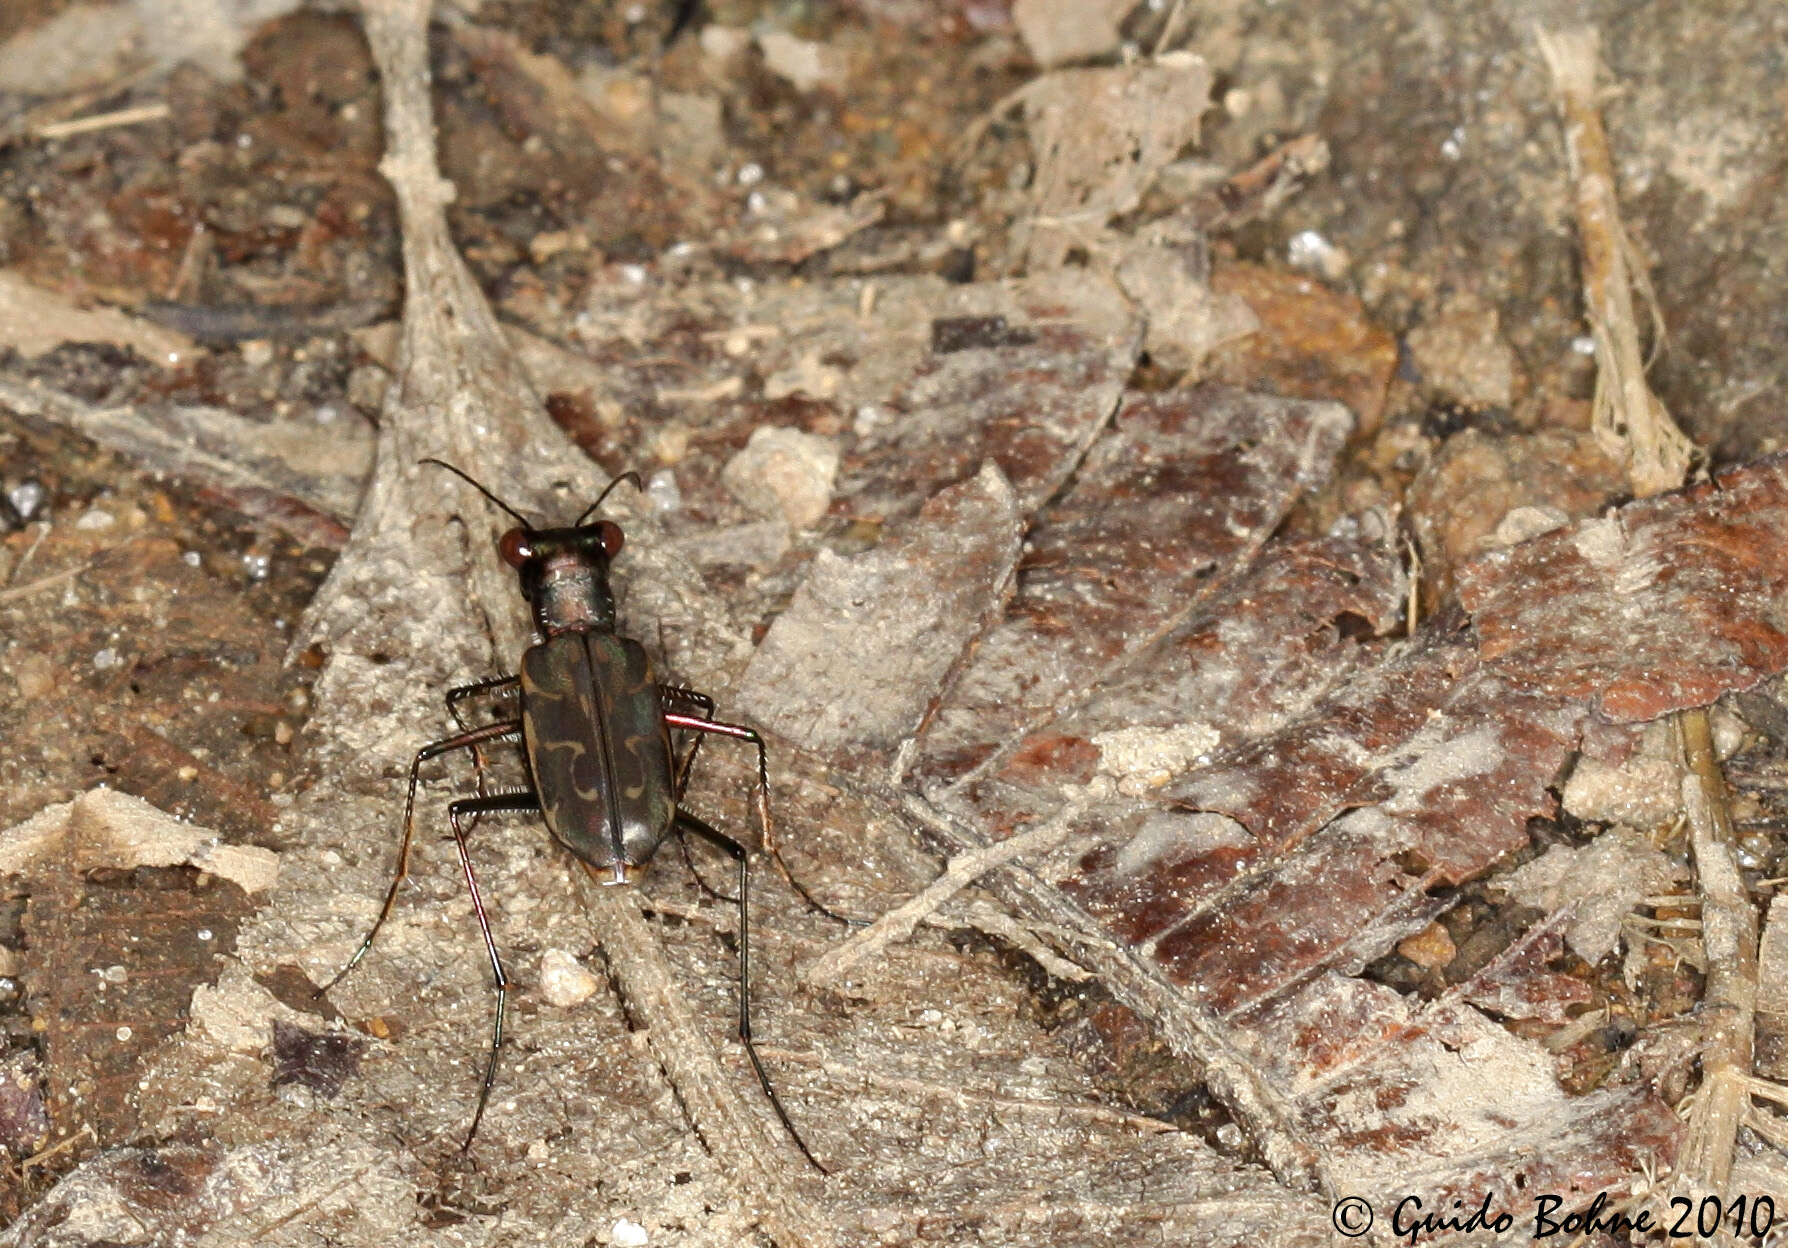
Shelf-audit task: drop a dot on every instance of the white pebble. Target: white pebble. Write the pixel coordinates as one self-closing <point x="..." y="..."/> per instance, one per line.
<point x="564" y="981"/>
<point x="784" y="474"/>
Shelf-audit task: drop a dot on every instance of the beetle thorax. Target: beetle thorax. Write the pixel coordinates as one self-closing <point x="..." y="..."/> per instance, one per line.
<point x="569" y="593"/>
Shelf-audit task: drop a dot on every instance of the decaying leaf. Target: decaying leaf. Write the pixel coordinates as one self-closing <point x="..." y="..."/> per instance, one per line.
<point x="1601" y="882"/>
<point x="1280" y="870"/>
<point x="1100" y="137"/>
<point x="117" y="938"/>
<point x="1694" y="582"/>
<point x="1182" y="493"/>
<point x="855" y="658"/>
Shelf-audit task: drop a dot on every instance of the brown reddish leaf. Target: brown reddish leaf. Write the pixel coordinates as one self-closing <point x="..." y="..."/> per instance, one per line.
<point x="1665" y="604"/>
<point x="1241" y="900"/>
<point x="1317" y="606"/>
<point x="1025" y="375"/>
<point x="24" y="1121"/>
<point x="117" y="937"/>
<point x="855" y="659"/>
<point x="919" y="381"/>
<point x="1523" y="981"/>
<point x="1186" y="488"/>
<point x="1250" y="914"/>
<point x="1313" y="343"/>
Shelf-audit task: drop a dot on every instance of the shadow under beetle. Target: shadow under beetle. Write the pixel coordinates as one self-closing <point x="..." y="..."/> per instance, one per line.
<point x="596" y="729"/>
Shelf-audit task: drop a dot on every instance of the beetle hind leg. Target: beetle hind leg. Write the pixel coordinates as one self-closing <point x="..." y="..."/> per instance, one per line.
<point x="687" y="822"/>
<point x="520" y="801"/>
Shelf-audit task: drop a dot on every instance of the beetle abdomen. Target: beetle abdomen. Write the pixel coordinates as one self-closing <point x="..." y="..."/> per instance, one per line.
<point x="598" y="747"/>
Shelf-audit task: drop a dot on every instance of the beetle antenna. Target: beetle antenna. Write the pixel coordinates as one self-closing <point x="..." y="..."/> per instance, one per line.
<point x="631" y="476"/>
<point x="482" y="489"/>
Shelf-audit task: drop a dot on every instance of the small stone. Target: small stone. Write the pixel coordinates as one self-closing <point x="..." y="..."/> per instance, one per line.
<point x="805" y="65"/>
<point x="627" y="1234"/>
<point x="1729" y="732"/>
<point x="367" y="386"/>
<point x="1644" y="792"/>
<point x="94" y="519"/>
<point x="565" y="983"/>
<point x="1522" y="524"/>
<point x="1312" y="252"/>
<point x="1430" y="948"/>
<point x="1463" y="356"/>
<point x="784" y="473"/>
<point x="35" y="674"/>
<point x="723" y="43"/>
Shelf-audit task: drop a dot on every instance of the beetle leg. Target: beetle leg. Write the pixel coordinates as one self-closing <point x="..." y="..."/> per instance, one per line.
<point x="762" y="796"/>
<point x="677" y="698"/>
<point x="460" y="741"/>
<point x="492" y="684"/>
<point x="688" y="822"/>
<point x="691" y="868"/>
<point x="454" y="697"/>
<point x="519" y="802"/>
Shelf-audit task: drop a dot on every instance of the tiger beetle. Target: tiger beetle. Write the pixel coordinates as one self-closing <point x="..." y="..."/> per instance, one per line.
<point x="596" y="729"/>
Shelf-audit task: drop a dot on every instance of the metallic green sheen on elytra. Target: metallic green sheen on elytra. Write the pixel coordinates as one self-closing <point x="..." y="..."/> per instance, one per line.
<point x="598" y="747"/>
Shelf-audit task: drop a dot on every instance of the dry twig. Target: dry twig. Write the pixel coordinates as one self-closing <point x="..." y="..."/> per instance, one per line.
<point x="1630" y="420"/>
<point x="1729" y="939"/>
<point x="897" y="924"/>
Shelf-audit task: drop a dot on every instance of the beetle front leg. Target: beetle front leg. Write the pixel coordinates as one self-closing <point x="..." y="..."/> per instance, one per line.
<point x="454" y="697"/>
<point x="505" y="729"/>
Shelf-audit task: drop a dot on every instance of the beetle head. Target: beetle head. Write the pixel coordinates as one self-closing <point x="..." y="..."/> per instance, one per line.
<point x="564" y="573"/>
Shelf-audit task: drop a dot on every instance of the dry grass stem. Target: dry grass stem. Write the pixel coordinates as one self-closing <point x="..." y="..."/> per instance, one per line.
<point x="1729" y="939"/>
<point x="103" y="121"/>
<point x="1628" y="418"/>
<point x="847" y="1073"/>
<point x="898" y="923"/>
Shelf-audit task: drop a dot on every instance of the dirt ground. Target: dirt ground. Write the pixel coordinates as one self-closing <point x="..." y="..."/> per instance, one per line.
<point x="1220" y="375"/>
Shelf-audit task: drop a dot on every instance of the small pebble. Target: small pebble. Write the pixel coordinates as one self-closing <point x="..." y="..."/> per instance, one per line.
<point x="1429" y="948"/>
<point x="564" y="981"/>
<point x="627" y="1234"/>
<point x="26" y="498"/>
<point x="784" y="473"/>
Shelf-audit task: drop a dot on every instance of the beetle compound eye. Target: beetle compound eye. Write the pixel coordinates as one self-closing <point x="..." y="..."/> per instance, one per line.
<point x="610" y="537"/>
<point x="514" y="548"/>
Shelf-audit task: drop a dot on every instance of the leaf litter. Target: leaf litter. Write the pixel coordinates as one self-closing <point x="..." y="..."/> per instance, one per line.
<point x="1255" y="786"/>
